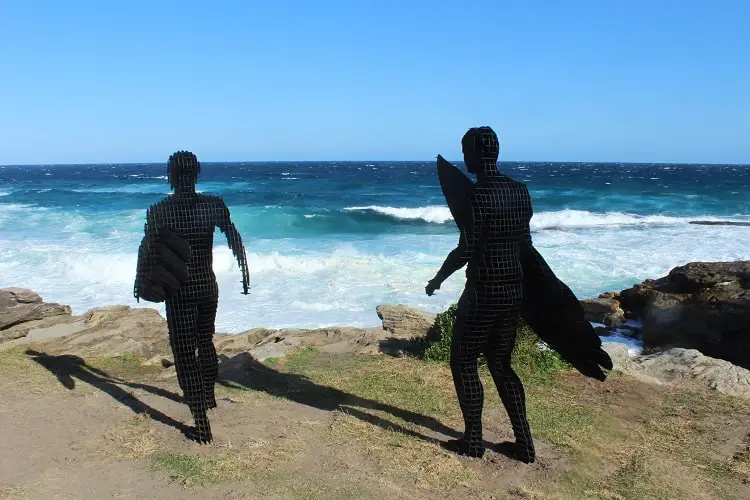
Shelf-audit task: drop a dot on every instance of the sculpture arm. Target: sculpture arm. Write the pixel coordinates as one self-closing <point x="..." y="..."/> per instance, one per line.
<point x="234" y="240"/>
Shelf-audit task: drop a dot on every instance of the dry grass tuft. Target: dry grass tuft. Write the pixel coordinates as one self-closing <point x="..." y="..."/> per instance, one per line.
<point x="11" y="493"/>
<point x="740" y="461"/>
<point x="235" y="463"/>
<point x="136" y="439"/>
<point x="24" y="374"/>
<point x="397" y="455"/>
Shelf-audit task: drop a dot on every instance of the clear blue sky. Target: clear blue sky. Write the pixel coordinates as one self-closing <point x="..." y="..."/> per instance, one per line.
<point x="596" y="80"/>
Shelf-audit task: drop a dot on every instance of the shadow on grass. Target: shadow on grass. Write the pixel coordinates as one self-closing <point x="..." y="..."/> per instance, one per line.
<point x="68" y="368"/>
<point x="245" y="372"/>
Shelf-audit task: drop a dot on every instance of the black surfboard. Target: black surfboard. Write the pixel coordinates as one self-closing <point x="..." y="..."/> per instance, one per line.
<point x="549" y="307"/>
<point x="456" y="188"/>
<point x="162" y="264"/>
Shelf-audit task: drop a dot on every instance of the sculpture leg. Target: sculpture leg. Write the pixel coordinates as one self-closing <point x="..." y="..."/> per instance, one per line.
<point x="207" y="358"/>
<point x="499" y="352"/>
<point x="182" y="320"/>
<point x="469" y="338"/>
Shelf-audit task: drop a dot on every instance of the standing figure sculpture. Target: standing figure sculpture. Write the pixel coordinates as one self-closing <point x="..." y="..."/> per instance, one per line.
<point x="489" y="309"/>
<point x="191" y="299"/>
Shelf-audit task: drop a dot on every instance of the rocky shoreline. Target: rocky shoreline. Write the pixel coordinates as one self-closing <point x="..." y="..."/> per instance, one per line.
<point x="694" y="324"/>
<point x="702" y="305"/>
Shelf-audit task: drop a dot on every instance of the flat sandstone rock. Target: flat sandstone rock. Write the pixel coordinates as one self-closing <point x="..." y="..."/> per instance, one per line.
<point x="19" y="305"/>
<point x="119" y="330"/>
<point x="682" y="368"/>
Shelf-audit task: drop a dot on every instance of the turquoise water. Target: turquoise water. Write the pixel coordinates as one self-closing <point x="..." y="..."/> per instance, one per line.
<point x="328" y="241"/>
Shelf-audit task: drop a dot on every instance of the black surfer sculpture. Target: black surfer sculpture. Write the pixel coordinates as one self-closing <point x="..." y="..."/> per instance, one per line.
<point x="175" y="265"/>
<point x="506" y="278"/>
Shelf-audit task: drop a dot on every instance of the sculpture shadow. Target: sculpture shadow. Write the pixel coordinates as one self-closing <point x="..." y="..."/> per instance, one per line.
<point x="244" y="372"/>
<point x="69" y="368"/>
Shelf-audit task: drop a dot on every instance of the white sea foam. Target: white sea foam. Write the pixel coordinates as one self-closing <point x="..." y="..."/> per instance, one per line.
<point x="70" y="258"/>
<point x="561" y="219"/>
<point x="434" y="214"/>
<point x="572" y="219"/>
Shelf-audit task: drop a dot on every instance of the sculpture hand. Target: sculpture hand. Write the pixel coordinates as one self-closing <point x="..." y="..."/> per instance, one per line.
<point x="432" y="285"/>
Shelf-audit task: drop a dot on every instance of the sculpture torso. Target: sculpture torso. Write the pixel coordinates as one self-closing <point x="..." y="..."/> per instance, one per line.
<point x="195" y="216"/>
<point x="505" y="207"/>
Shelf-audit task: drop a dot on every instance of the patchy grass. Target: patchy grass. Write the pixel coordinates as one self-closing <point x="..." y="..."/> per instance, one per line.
<point x="192" y="470"/>
<point x="38" y="380"/>
<point x="118" y="362"/>
<point x="185" y="469"/>
<point x="311" y="487"/>
<point x="296" y="360"/>
<point x="617" y="440"/>
<point x="11" y="493"/>
<point x="625" y="439"/>
<point x="632" y="479"/>
<point x="556" y="417"/>
<point x="272" y="361"/>
<point x="740" y="463"/>
<point x="648" y="442"/>
<point x="16" y="360"/>
<point x="249" y="461"/>
<point x="409" y="385"/>
<point x="135" y="439"/>
<point x="127" y="366"/>
<point x="400" y="456"/>
<point x="242" y="395"/>
<point x="28" y="375"/>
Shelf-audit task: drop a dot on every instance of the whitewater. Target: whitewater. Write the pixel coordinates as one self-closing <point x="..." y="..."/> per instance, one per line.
<point x="328" y="241"/>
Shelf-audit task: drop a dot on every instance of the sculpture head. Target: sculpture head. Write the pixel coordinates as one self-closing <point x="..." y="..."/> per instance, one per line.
<point x="182" y="170"/>
<point x="481" y="150"/>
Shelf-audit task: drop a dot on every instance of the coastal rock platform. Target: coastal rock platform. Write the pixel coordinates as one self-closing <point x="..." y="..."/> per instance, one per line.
<point x="695" y="306"/>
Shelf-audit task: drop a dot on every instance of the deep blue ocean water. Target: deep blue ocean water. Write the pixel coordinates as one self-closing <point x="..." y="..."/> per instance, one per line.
<point x="329" y="241"/>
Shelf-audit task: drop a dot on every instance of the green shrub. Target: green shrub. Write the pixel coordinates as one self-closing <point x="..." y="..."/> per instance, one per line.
<point x="440" y="349"/>
<point x="530" y="359"/>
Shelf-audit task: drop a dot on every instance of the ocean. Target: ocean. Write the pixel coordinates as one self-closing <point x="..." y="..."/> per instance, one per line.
<point x="329" y="241"/>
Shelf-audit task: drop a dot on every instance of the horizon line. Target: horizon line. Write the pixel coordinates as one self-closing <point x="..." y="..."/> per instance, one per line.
<point x="88" y="164"/>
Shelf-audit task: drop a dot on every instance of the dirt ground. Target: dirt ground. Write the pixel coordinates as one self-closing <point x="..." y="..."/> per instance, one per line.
<point x="326" y="426"/>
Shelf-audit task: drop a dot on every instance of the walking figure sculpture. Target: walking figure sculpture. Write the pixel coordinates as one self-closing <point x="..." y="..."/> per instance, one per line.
<point x="192" y="296"/>
<point x="489" y="309"/>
